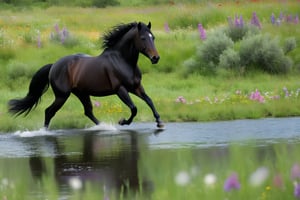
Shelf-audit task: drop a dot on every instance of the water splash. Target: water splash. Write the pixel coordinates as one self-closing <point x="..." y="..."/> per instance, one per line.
<point x="102" y="127"/>
<point x="41" y="132"/>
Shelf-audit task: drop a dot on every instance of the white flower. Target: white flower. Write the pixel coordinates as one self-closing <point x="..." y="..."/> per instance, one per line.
<point x="210" y="179"/>
<point x="259" y="176"/>
<point x="182" y="178"/>
<point x="75" y="183"/>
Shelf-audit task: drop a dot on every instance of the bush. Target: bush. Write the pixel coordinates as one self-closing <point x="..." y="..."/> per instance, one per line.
<point x="289" y="45"/>
<point x="263" y="52"/>
<point x="213" y="47"/>
<point x="208" y="54"/>
<point x="236" y="33"/>
<point x="230" y="59"/>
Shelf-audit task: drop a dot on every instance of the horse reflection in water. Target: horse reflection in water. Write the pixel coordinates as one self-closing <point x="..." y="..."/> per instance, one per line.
<point x="107" y="161"/>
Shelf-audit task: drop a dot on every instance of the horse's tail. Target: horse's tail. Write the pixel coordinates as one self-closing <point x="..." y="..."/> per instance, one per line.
<point x="38" y="85"/>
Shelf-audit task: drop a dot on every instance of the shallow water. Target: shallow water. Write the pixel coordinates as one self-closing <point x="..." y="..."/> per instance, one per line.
<point x="114" y="157"/>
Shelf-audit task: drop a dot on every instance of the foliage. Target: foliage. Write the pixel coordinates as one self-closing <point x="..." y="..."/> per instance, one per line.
<point x="263" y="52"/>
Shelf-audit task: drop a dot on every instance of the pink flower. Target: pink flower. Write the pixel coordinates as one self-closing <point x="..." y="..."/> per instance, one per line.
<point x="232" y="183"/>
<point x="167" y="28"/>
<point x="202" y="32"/>
<point x="256" y="96"/>
<point x="180" y="99"/>
<point x="295" y="171"/>
<point x="97" y="104"/>
<point x="278" y="181"/>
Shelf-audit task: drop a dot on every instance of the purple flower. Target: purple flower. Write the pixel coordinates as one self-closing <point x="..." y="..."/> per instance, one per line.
<point x="97" y="104"/>
<point x="202" y="32"/>
<point x="297" y="190"/>
<point x="273" y="20"/>
<point x="256" y="96"/>
<point x="167" y="28"/>
<point x="286" y="92"/>
<point x="295" y="171"/>
<point x="296" y="20"/>
<point x="241" y="21"/>
<point x="232" y="183"/>
<point x="255" y="21"/>
<point x="236" y="21"/>
<point x="56" y="27"/>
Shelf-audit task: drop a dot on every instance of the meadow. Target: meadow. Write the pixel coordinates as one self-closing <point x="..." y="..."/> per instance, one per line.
<point x="33" y="36"/>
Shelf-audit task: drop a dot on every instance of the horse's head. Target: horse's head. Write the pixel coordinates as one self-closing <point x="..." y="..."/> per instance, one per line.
<point x="145" y="42"/>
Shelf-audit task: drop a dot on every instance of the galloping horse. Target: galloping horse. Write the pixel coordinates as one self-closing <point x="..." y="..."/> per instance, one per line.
<point x="115" y="71"/>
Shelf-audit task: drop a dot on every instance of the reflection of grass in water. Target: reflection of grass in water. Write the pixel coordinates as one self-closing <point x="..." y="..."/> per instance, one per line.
<point x="165" y="168"/>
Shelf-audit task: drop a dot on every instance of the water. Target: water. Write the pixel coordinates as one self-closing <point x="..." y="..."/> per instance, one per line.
<point x="119" y="158"/>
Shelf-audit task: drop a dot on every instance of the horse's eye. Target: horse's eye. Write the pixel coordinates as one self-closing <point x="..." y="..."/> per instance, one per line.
<point x="143" y="38"/>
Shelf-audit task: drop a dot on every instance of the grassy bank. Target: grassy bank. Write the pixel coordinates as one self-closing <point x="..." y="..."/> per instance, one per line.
<point x="26" y="45"/>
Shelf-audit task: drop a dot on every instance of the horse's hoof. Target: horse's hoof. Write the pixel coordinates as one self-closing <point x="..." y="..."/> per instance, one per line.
<point x="122" y="121"/>
<point x="160" y="125"/>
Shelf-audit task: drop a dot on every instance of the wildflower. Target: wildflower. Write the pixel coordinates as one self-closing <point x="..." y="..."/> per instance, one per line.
<point x="295" y="171"/>
<point x="277" y="181"/>
<point x="255" y="21"/>
<point x="210" y="179"/>
<point x="75" y="183"/>
<point x="273" y="20"/>
<point x="238" y="21"/>
<point x="259" y="176"/>
<point x="297" y="190"/>
<point x="296" y="20"/>
<point x="238" y="92"/>
<point x="97" y="104"/>
<point x="256" y="96"/>
<point x="231" y="183"/>
<point x="167" y="28"/>
<point x="180" y="99"/>
<point x="202" y="32"/>
<point x="182" y="178"/>
<point x="56" y="27"/>
<point x="286" y="92"/>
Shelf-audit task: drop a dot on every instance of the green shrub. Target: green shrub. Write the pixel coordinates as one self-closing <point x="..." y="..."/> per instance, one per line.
<point x="264" y="53"/>
<point x="213" y="47"/>
<point x="289" y="44"/>
<point x="230" y="59"/>
<point x="236" y="33"/>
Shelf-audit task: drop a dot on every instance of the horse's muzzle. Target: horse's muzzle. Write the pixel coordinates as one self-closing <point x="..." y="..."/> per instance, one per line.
<point x="155" y="59"/>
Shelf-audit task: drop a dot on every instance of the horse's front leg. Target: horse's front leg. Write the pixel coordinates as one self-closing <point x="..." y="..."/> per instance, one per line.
<point x="124" y="96"/>
<point x="140" y="92"/>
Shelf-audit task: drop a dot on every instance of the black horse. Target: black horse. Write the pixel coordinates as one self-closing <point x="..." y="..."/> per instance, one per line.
<point x="115" y="71"/>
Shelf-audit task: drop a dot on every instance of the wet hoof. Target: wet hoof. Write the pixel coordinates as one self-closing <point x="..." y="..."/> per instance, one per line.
<point x="160" y="125"/>
<point x="123" y="122"/>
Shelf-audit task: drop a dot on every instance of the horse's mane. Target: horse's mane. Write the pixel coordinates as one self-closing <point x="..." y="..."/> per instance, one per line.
<point x="111" y="37"/>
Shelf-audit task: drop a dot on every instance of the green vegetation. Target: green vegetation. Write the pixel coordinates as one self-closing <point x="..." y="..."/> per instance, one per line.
<point x="195" y="80"/>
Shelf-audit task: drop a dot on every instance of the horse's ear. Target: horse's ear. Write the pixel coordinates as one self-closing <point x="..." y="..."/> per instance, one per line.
<point x="139" y="26"/>
<point x="149" y="25"/>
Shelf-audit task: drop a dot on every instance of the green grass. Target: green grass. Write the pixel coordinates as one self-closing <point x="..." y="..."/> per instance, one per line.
<point x="164" y="82"/>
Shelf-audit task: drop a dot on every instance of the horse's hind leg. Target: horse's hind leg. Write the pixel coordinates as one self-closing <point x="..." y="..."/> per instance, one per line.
<point x="54" y="107"/>
<point x="87" y="104"/>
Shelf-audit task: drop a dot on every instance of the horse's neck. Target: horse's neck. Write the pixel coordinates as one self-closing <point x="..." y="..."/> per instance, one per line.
<point x="127" y="49"/>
